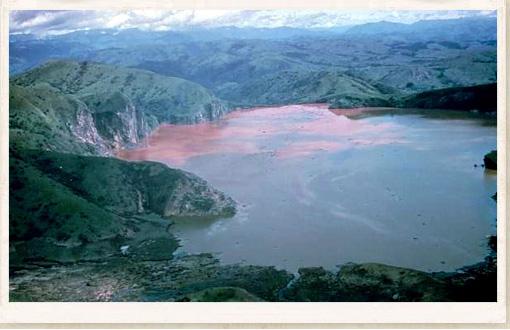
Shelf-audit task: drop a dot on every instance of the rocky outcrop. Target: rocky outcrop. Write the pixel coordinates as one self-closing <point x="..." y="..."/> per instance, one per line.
<point x="119" y="121"/>
<point x="194" y="197"/>
<point x="202" y="278"/>
<point x="365" y="282"/>
<point x="221" y="294"/>
<point x="188" y="278"/>
<point x="210" y="112"/>
<point x="379" y="282"/>
<point x="131" y="187"/>
<point x="84" y="129"/>
<point x="491" y="160"/>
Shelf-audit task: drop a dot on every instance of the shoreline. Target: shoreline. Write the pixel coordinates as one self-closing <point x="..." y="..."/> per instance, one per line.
<point x="190" y="277"/>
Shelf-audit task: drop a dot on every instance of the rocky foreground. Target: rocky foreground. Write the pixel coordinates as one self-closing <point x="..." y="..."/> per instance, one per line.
<point x="130" y="277"/>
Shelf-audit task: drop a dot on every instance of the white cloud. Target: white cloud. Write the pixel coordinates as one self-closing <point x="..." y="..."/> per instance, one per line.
<point x="55" y="22"/>
<point x="116" y="21"/>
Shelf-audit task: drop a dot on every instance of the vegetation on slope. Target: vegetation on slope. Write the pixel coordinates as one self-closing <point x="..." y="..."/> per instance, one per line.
<point x="401" y="66"/>
<point x="286" y="87"/>
<point x="69" y="208"/>
<point x="482" y="98"/>
<point x="93" y="108"/>
<point x="42" y="117"/>
<point x="166" y="98"/>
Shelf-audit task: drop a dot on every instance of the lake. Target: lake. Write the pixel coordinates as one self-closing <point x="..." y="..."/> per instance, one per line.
<point x="320" y="187"/>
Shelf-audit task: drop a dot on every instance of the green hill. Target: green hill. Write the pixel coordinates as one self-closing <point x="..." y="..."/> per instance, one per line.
<point x="482" y="98"/>
<point x="336" y="88"/>
<point x="166" y="98"/>
<point x="406" y="66"/>
<point x="92" y="108"/>
<point x="65" y="208"/>
<point x="42" y="117"/>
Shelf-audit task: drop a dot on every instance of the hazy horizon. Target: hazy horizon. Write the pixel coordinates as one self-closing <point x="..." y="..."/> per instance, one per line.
<point x="55" y="22"/>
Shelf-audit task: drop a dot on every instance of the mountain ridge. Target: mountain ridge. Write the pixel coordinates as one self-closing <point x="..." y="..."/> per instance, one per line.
<point x="97" y="108"/>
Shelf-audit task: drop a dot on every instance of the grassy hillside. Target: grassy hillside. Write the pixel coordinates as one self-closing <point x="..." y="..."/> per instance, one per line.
<point x="482" y="98"/>
<point x="404" y="64"/>
<point x="42" y="117"/>
<point x="165" y="98"/>
<point x="336" y="88"/>
<point x="67" y="207"/>
<point x="93" y="108"/>
<point x="401" y="65"/>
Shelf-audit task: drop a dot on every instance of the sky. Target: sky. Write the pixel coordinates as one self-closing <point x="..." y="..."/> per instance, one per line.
<point x="59" y="22"/>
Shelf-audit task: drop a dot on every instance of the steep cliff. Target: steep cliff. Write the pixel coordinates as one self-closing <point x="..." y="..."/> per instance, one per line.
<point x="91" y="108"/>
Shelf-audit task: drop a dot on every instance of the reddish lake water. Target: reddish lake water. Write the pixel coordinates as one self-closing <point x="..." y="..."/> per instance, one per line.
<point x="318" y="188"/>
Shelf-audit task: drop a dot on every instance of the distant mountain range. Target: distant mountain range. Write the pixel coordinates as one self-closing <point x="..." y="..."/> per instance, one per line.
<point x="463" y="29"/>
<point x="239" y="64"/>
<point x="477" y="28"/>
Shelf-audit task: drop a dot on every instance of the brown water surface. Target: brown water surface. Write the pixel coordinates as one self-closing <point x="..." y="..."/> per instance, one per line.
<point x="320" y="188"/>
